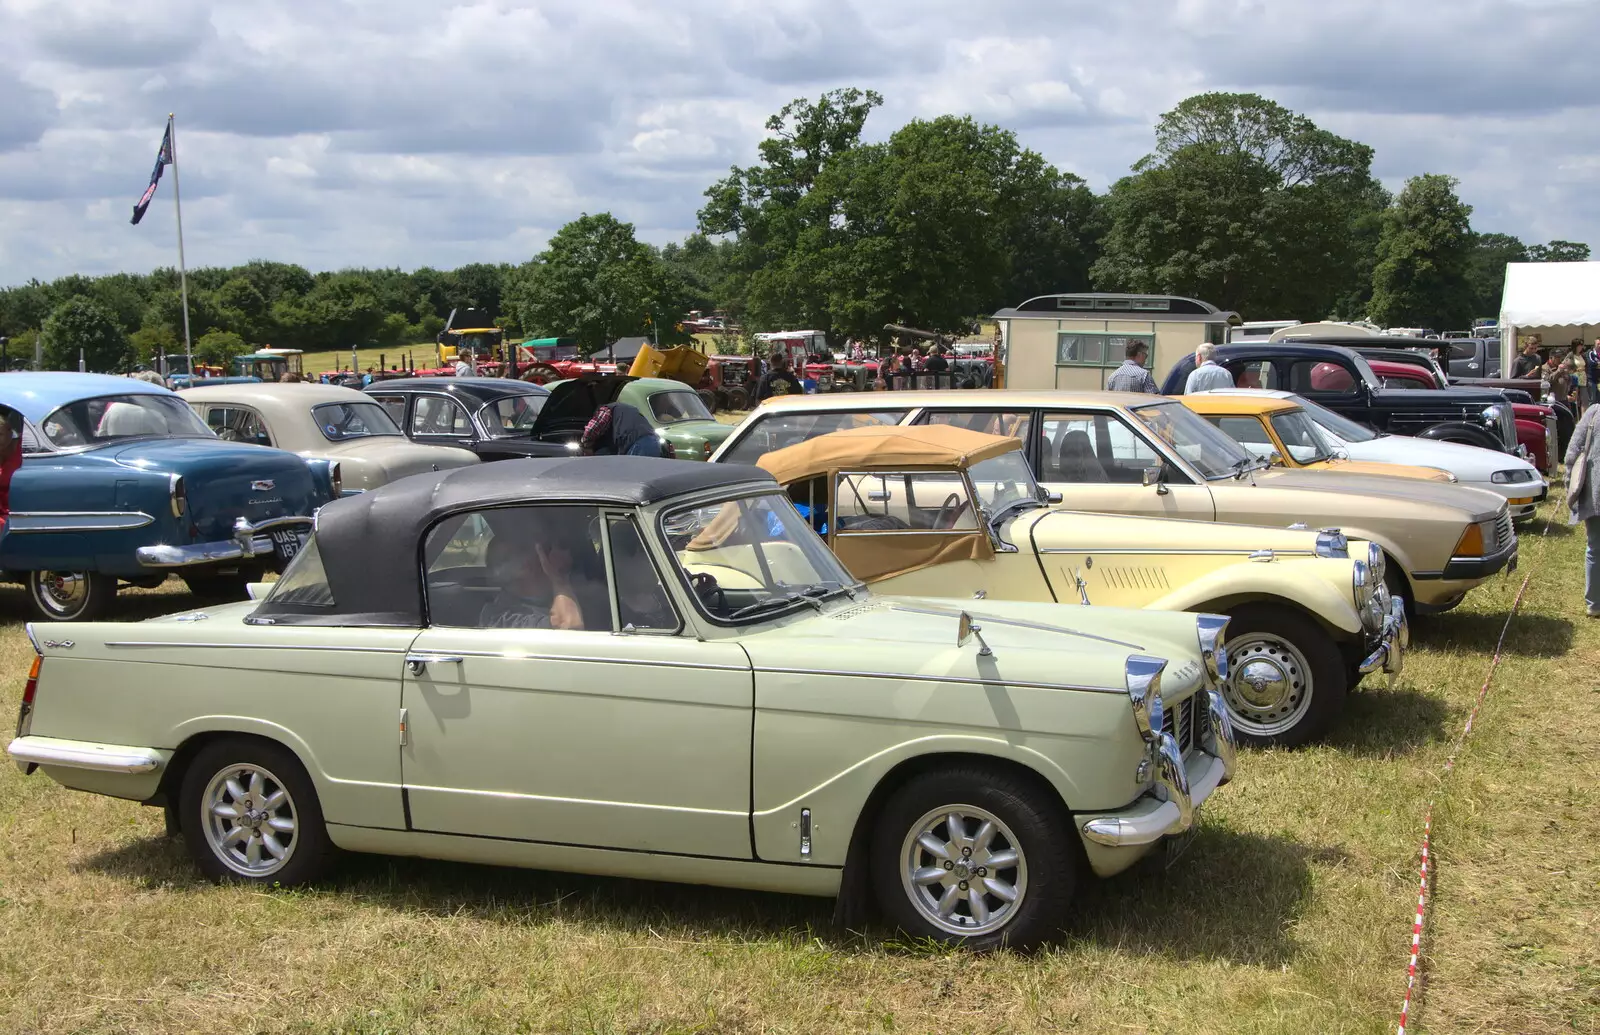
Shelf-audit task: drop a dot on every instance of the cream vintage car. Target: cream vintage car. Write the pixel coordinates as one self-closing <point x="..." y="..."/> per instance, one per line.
<point x="329" y="422"/>
<point x="942" y="510"/>
<point x="1123" y="453"/>
<point x="644" y="668"/>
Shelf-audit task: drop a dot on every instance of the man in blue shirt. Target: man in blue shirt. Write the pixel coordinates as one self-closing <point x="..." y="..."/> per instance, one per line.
<point x="1206" y="374"/>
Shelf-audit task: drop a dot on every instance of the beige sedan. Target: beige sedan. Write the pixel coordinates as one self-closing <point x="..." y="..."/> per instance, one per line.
<point x="1122" y="453"/>
<point x="326" y="422"/>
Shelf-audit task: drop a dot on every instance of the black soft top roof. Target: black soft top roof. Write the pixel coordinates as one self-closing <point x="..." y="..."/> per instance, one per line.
<point x="370" y="544"/>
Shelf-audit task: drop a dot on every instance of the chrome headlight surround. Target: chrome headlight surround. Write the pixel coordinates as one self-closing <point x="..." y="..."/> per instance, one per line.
<point x="1142" y="674"/>
<point x="1213" y="632"/>
<point x="1332" y="543"/>
<point x="1377" y="563"/>
<point x="1361" y="583"/>
<point x="1377" y="609"/>
<point x="1490" y="414"/>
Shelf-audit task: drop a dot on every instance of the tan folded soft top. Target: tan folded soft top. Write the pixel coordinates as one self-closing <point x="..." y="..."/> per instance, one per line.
<point x="889" y="445"/>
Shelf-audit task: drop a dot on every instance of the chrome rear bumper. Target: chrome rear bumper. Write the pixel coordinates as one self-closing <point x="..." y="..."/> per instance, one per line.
<point x="77" y="754"/>
<point x="249" y="540"/>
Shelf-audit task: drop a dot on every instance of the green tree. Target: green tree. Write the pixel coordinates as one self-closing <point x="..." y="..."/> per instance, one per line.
<point x="153" y="340"/>
<point x="1245" y="204"/>
<point x="217" y="348"/>
<point x="1424" y="258"/>
<point x="1559" y="251"/>
<point x="479" y="284"/>
<point x="80" y="325"/>
<point x="594" y="282"/>
<point x="1486" y="269"/>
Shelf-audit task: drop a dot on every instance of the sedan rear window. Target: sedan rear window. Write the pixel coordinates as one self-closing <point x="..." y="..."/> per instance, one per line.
<point x="339" y="422"/>
<point x="89" y="422"/>
<point x="787" y="429"/>
<point x="673" y="407"/>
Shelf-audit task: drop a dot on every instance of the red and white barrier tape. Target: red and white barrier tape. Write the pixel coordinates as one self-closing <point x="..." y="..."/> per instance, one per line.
<point x="1426" y="854"/>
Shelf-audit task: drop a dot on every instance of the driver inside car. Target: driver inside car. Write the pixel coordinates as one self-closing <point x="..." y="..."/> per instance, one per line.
<point x="536" y="586"/>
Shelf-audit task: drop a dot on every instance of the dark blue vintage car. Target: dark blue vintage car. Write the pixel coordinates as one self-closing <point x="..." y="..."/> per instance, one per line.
<point x="121" y="482"/>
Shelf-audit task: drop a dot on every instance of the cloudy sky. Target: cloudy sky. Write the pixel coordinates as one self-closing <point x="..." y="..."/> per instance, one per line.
<point x="405" y="132"/>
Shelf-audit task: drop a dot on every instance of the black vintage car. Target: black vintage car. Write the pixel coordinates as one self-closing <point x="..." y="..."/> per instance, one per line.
<point x="494" y="417"/>
<point x="1343" y="381"/>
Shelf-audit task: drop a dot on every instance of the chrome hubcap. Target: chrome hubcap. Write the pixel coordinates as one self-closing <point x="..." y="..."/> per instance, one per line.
<point x="249" y="820"/>
<point x="963" y="870"/>
<point x="63" y="592"/>
<point x="1269" y="687"/>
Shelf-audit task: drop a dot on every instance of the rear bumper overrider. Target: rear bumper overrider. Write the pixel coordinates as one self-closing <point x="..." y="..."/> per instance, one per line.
<point x="250" y="539"/>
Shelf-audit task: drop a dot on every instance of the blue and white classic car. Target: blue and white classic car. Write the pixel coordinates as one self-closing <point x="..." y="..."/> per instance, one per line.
<point x="121" y="482"/>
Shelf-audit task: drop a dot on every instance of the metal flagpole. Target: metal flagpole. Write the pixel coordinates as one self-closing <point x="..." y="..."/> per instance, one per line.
<point x="183" y="277"/>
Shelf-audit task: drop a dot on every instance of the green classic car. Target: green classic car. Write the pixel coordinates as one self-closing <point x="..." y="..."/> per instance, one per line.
<point x="636" y="667"/>
<point x="674" y="408"/>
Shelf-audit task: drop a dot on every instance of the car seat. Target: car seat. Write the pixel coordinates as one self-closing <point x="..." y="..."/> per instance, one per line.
<point x="1077" y="462"/>
<point x="123" y="419"/>
<point x="1331" y="377"/>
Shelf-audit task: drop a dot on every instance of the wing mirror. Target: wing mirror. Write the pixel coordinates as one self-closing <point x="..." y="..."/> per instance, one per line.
<point x="1156" y="476"/>
<point x="966" y="631"/>
<point x="1275" y="459"/>
<point x="1052" y="497"/>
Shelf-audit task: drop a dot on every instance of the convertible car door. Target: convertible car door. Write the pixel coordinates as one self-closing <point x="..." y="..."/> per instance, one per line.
<point x="625" y="734"/>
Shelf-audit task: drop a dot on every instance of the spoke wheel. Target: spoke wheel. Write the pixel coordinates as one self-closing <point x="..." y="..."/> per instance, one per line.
<point x="963" y="870"/>
<point x="1286" y="678"/>
<point x="70" y="596"/>
<point x="250" y="813"/>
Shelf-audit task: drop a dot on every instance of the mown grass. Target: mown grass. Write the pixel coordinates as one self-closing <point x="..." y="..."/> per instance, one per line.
<point x="1291" y="913"/>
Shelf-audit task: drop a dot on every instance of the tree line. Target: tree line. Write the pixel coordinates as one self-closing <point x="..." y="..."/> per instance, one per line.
<point x="1242" y="203"/>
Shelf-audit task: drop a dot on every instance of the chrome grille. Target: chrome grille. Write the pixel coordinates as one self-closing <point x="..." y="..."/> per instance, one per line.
<point x="1178" y="720"/>
<point x="1504" y="534"/>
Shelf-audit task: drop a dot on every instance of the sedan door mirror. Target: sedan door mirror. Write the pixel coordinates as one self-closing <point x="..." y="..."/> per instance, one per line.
<point x="1275" y="459"/>
<point x="1052" y="497"/>
<point x="1156" y="476"/>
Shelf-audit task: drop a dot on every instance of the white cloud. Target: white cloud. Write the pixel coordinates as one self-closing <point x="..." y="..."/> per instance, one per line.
<point x="334" y="132"/>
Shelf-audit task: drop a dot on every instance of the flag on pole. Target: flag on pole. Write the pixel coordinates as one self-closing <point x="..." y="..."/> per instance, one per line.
<point x="163" y="158"/>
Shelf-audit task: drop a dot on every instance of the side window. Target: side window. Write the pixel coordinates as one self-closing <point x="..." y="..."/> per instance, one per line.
<point x="989" y="422"/>
<point x="642" y="601"/>
<point x="518" y="568"/>
<point x="1258" y="373"/>
<point x="30" y="440"/>
<point x="1247" y="431"/>
<point x="437" y="415"/>
<point x="238" y="424"/>
<point x="1095" y="448"/>
<point x="787" y="429"/>
<point x="395" y="406"/>
<point x="1320" y="377"/>
<point x="919" y="501"/>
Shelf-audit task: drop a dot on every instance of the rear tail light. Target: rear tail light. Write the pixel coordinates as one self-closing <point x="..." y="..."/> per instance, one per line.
<point x="25" y="713"/>
<point x="336" y="479"/>
<point x="180" y="496"/>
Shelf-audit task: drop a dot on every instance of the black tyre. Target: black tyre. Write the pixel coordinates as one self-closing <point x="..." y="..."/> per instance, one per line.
<point x="1286" y="677"/>
<point x="975" y="856"/>
<point x="249" y="813"/>
<point x="709" y="398"/>
<point x="70" y="596"/>
<point x="738" y="400"/>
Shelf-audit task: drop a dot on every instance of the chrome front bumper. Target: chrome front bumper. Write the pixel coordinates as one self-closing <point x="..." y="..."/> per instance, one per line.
<point x="1179" y="789"/>
<point x="1389" y="654"/>
<point x="249" y="540"/>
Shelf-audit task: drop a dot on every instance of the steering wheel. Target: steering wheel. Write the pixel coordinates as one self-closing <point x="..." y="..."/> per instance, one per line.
<point x="952" y="510"/>
<point x="704" y="585"/>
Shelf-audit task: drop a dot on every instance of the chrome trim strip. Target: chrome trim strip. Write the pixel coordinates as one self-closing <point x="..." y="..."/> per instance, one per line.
<point x="919" y="678"/>
<point x="187" y="645"/>
<point x="35" y="521"/>
<point x="102" y="758"/>
<point x="514" y="796"/>
<point x="1016" y="623"/>
<point x="401" y="652"/>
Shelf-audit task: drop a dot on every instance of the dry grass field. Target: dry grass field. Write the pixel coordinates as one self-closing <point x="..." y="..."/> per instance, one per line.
<point x="1291" y="912"/>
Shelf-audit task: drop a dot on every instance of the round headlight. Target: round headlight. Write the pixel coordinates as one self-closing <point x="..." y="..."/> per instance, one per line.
<point x="1377" y="609"/>
<point x="1361" y="582"/>
<point x="1490" y="414"/>
<point x="1376" y="562"/>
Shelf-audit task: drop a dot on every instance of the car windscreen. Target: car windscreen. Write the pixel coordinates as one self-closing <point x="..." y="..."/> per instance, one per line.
<point x="342" y="421"/>
<point x="678" y="406"/>
<point x="89" y="422"/>
<point x="1209" y="450"/>
<point x="748" y="559"/>
<point x="513" y="416"/>
<point x="1341" y="426"/>
<point x="1004" y="480"/>
<point x="1299" y="435"/>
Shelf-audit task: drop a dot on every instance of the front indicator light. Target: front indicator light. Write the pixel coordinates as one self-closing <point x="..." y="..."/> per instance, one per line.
<point x="1470" y="544"/>
<point x="1519" y="501"/>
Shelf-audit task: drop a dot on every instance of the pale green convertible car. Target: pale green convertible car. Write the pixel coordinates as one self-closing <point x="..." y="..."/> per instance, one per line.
<point x="638" y="667"/>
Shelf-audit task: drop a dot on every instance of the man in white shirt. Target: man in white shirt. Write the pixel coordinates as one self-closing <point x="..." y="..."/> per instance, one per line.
<point x="1206" y="374"/>
<point x="464" y="367"/>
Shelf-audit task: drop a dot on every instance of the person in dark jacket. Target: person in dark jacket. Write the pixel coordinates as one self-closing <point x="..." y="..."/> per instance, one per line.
<point x="617" y="429"/>
<point x="780" y="380"/>
<point x="936" y="363"/>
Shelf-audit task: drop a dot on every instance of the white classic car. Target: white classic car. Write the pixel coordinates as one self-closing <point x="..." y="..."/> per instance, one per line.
<point x="644" y="668"/>
<point x="1509" y="476"/>
<point x="325" y="422"/>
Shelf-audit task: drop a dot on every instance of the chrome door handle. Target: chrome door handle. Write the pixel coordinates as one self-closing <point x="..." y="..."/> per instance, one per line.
<point x="418" y="662"/>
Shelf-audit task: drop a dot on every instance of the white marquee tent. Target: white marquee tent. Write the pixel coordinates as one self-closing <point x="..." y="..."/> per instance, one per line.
<point x="1557" y="300"/>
